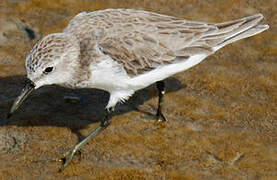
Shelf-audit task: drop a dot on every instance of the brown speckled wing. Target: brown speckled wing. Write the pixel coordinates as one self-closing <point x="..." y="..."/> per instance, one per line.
<point x="137" y="53"/>
<point x="142" y="41"/>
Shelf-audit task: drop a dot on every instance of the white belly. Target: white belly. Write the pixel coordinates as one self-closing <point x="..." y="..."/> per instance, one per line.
<point x="110" y="76"/>
<point x="164" y="72"/>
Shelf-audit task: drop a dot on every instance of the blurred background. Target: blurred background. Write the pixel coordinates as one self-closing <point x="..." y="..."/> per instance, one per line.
<point x="222" y="113"/>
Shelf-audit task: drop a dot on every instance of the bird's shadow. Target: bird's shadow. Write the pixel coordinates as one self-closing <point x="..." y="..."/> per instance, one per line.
<point x="61" y="107"/>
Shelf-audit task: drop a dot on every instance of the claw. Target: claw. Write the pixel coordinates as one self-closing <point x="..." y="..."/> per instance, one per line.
<point x="161" y="118"/>
<point x="68" y="156"/>
<point x="66" y="159"/>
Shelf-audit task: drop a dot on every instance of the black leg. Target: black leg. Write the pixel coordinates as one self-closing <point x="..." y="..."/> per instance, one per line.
<point x="69" y="155"/>
<point x="161" y="88"/>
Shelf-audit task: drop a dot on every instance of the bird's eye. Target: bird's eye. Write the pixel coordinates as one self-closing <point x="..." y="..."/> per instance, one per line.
<point x="48" y="70"/>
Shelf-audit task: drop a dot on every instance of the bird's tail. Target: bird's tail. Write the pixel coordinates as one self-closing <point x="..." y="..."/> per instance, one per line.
<point x="232" y="31"/>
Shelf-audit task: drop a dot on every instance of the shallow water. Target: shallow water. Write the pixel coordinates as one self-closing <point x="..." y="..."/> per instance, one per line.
<point x="222" y="113"/>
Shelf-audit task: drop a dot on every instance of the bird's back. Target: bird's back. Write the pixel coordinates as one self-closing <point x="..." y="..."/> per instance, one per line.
<point x="142" y="41"/>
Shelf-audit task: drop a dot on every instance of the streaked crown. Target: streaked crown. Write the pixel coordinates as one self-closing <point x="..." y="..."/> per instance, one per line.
<point x="54" y="52"/>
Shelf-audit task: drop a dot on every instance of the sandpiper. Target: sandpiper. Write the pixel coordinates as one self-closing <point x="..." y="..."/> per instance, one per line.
<point x="124" y="50"/>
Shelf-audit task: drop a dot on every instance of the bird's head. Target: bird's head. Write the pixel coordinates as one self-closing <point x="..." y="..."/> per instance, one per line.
<point x="51" y="61"/>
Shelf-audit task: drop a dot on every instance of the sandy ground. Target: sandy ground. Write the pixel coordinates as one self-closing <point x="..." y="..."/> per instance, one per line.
<point x="222" y="113"/>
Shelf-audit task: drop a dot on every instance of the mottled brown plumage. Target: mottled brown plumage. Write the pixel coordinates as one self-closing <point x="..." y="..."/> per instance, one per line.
<point x="123" y="50"/>
<point x="141" y="41"/>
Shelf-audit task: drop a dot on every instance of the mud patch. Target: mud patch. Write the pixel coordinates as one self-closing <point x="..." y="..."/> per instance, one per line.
<point x="11" y="140"/>
<point x="13" y="31"/>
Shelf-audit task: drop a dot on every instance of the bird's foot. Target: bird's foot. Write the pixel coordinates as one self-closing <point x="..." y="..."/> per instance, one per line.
<point x="158" y="118"/>
<point x="161" y="118"/>
<point x="67" y="158"/>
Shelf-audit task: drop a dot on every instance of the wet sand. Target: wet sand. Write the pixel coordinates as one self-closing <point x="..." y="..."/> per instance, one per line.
<point x="222" y="113"/>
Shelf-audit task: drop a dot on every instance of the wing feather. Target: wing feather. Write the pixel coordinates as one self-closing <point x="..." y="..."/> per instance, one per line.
<point x="141" y="41"/>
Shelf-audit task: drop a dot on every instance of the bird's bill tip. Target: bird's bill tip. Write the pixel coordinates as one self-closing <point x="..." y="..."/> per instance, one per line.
<point x="26" y="91"/>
